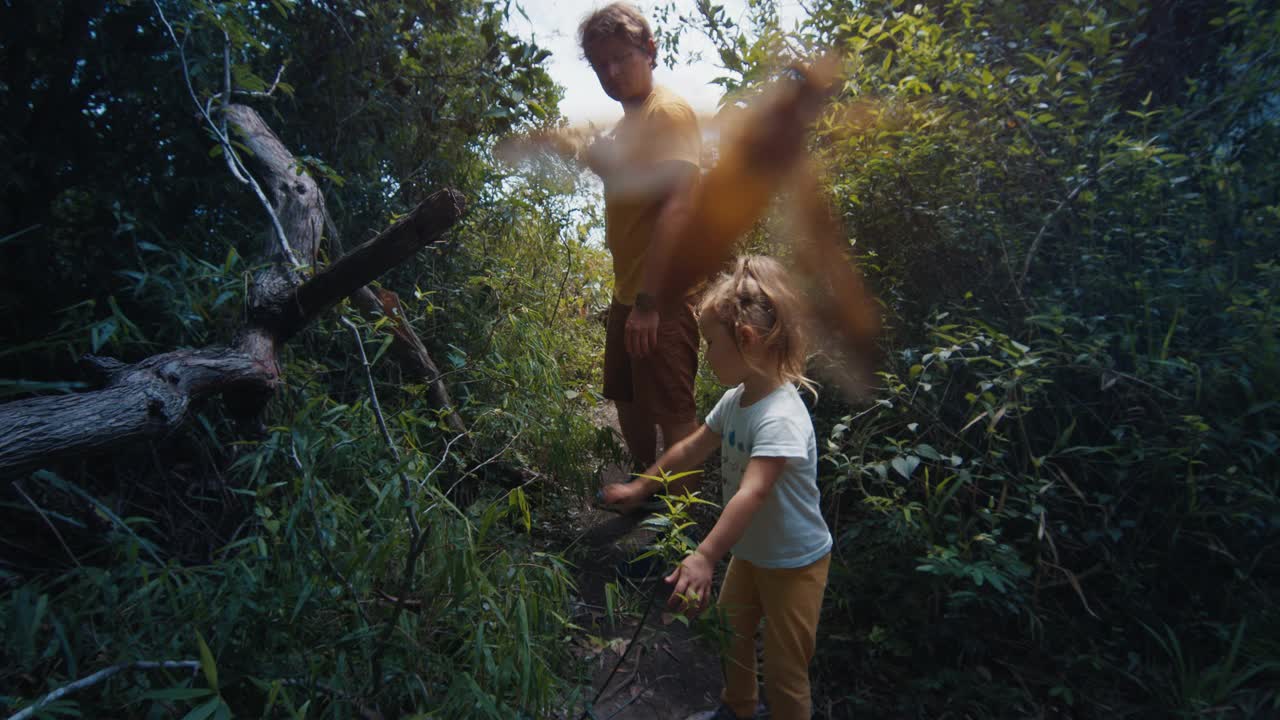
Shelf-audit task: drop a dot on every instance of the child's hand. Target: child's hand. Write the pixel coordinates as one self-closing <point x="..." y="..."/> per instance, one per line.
<point x="621" y="494"/>
<point x="693" y="584"/>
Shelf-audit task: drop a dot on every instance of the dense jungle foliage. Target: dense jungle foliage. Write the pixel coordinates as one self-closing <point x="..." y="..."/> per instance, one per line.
<point x="1061" y="499"/>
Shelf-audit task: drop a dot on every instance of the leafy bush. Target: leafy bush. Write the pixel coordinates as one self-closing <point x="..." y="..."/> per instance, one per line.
<point x="1062" y="489"/>
<point x="313" y="567"/>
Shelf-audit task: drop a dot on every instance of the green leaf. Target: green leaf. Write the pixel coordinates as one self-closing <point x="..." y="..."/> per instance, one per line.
<point x="204" y="711"/>
<point x="207" y="664"/>
<point x="904" y="465"/>
<point x="177" y="694"/>
<point x="382" y="348"/>
<point x="518" y="500"/>
<point x="928" y="452"/>
<point x="996" y="581"/>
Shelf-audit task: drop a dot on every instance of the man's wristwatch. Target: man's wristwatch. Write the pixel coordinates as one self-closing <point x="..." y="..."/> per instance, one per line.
<point x="646" y="302"/>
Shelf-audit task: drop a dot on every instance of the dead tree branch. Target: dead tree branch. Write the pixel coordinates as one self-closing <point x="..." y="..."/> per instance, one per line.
<point x="153" y="397"/>
<point x="301" y="209"/>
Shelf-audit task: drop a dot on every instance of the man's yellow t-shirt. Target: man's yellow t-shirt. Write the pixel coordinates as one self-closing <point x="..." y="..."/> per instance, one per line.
<point x="664" y="129"/>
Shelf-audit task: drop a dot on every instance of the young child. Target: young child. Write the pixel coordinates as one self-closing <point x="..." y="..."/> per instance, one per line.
<point x="771" y="518"/>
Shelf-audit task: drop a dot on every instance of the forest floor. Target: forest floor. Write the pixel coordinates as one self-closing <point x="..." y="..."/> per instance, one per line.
<point x="669" y="673"/>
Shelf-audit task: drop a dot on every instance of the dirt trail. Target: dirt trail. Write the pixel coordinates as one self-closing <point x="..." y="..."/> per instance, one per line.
<point x="669" y="674"/>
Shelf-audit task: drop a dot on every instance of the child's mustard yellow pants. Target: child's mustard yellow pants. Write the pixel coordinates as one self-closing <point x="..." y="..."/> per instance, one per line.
<point x="790" y="601"/>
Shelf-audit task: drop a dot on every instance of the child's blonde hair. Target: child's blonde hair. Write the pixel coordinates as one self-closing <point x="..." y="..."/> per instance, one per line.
<point x="617" y="19"/>
<point x="758" y="293"/>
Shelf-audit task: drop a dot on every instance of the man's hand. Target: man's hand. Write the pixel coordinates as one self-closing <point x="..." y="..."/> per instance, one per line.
<point x="642" y="332"/>
<point x="692" y="580"/>
<point x="568" y="144"/>
<point x="599" y="153"/>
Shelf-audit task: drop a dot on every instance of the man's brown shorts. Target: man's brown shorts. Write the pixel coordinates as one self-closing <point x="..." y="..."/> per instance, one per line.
<point x="662" y="381"/>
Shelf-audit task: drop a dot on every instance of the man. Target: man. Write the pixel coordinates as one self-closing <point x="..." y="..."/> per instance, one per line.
<point x="649" y="166"/>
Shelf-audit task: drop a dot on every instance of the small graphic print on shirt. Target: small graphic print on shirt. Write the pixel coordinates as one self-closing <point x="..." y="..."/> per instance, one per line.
<point x="733" y="464"/>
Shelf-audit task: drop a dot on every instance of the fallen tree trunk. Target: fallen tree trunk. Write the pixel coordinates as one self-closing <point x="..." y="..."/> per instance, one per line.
<point x="153" y="397"/>
<point x="145" y="400"/>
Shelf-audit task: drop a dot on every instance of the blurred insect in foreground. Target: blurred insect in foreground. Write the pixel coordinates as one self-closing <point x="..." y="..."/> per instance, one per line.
<point x="761" y="152"/>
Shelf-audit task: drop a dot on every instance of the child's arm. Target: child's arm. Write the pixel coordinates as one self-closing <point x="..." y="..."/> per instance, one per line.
<point x="693" y="576"/>
<point x="684" y="455"/>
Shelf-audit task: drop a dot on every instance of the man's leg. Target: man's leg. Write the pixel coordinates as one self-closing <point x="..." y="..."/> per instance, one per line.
<point x="654" y="390"/>
<point x="674" y="432"/>
<point x="634" y="419"/>
<point x="639" y="432"/>
<point x="669" y="375"/>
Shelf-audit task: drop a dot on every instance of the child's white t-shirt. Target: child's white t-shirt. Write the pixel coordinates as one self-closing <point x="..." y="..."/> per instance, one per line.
<point x="788" y="530"/>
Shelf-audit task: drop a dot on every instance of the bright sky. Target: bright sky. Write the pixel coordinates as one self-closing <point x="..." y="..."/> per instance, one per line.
<point x="553" y="24"/>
